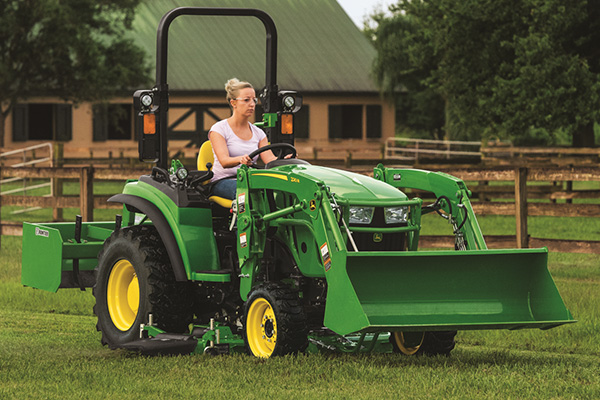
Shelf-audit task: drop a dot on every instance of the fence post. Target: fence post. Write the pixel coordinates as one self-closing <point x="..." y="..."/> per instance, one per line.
<point x="521" y="207"/>
<point x="86" y="190"/>
<point x="348" y="160"/>
<point x="417" y="151"/>
<point x="0" y="207"/>
<point x="569" y="191"/>
<point x="57" y="183"/>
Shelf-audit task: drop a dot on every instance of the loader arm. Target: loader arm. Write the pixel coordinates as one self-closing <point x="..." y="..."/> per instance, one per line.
<point x="443" y="186"/>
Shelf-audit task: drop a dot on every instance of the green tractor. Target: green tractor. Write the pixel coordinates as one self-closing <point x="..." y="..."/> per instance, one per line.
<point x="306" y="258"/>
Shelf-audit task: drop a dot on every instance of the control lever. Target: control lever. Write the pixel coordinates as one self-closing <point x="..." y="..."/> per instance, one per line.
<point x="234" y="216"/>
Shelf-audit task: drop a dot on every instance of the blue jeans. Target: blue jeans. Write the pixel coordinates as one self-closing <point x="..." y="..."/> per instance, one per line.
<point x="225" y="188"/>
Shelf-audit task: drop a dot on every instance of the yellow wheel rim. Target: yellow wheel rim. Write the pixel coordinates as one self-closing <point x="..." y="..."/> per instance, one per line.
<point x="123" y="295"/>
<point x="408" y="343"/>
<point x="261" y="328"/>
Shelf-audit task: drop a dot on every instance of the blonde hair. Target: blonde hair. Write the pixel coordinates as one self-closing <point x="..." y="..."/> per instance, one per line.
<point x="233" y="87"/>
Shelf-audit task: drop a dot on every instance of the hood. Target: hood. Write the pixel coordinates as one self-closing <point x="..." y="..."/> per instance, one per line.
<point x="353" y="187"/>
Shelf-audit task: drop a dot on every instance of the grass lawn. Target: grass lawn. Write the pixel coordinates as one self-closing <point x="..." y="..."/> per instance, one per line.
<point x="50" y="349"/>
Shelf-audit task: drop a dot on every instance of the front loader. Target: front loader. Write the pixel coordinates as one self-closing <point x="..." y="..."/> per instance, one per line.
<point x="305" y="258"/>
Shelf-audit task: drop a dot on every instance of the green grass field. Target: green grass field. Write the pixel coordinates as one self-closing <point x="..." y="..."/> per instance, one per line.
<point x="49" y="347"/>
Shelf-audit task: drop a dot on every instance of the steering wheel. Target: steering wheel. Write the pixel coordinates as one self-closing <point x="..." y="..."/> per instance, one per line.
<point x="280" y="146"/>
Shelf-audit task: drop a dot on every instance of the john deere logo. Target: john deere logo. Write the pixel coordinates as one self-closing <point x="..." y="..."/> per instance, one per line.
<point x="313" y="205"/>
<point x="377" y="237"/>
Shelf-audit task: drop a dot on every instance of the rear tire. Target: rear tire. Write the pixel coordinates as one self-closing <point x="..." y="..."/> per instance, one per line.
<point x="274" y="321"/>
<point x="134" y="278"/>
<point x="425" y="343"/>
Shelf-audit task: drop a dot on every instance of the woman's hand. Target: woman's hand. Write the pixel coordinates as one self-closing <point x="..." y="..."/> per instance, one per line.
<point x="245" y="160"/>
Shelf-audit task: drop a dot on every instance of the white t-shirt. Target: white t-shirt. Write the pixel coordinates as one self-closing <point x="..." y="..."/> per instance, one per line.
<point x="235" y="145"/>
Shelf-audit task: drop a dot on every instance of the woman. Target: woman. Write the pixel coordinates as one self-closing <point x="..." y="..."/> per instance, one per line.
<point x="234" y="138"/>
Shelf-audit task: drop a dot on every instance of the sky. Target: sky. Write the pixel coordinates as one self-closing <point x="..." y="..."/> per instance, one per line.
<point x="358" y="9"/>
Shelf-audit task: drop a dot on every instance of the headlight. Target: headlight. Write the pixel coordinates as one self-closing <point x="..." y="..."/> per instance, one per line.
<point x="146" y="100"/>
<point x="396" y="215"/>
<point x="361" y="215"/>
<point x="289" y="102"/>
<point x="182" y="173"/>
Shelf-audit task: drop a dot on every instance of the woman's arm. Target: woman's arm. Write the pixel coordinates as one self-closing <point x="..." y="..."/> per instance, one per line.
<point x="219" y="146"/>
<point x="266" y="156"/>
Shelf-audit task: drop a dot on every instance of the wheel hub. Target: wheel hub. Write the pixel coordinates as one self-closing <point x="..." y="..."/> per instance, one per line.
<point x="261" y="328"/>
<point x="268" y="327"/>
<point x="123" y="295"/>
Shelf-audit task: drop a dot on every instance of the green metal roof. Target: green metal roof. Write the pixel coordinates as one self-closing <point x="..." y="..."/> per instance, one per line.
<point x="319" y="47"/>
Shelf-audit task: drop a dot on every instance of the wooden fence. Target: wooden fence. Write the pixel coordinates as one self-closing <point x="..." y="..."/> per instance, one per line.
<point x="552" y="184"/>
<point x="548" y="184"/>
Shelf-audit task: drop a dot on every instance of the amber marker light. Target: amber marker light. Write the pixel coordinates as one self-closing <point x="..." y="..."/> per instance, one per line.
<point x="287" y="124"/>
<point x="149" y="124"/>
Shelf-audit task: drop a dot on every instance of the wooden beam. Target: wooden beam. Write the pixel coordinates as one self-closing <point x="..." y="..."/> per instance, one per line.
<point x="576" y="194"/>
<point x="521" y="207"/>
<point x="40" y="201"/>
<point x="567" y="246"/>
<point x="542" y="150"/>
<point x="510" y="241"/>
<point x="101" y="202"/>
<point x="11" y="229"/>
<point x="491" y="174"/>
<point x="564" y="174"/>
<point x="57" y="183"/>
<point x="86" y="191"/>
<point x="564" y="210"/>
<point x="534" y="174"/>
<point x="119" y="174"/>
<point x="31" y="172"/>
<point x="494" y="208"/>
<point x="538" y="209"/>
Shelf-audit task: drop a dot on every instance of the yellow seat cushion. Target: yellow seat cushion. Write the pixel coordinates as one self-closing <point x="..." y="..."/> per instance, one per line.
<point x="205" y="156"/>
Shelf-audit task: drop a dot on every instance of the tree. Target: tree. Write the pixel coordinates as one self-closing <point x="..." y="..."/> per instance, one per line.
<point x="77" y="50"/>
<point x="403" y="78"/>
<point x="509" y="69"/>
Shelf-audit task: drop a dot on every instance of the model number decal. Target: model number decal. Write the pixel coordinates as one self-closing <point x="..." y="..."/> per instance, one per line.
<point x="41" y="232"/>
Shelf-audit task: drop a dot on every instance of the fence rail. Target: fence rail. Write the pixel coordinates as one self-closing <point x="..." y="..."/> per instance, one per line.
<point x="398" y="148"/>
<point x="515" y="183"/>
<point x="9" y="158"/>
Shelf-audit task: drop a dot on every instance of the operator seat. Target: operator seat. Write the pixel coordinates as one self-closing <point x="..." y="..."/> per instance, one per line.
<point x="205" y="156"/>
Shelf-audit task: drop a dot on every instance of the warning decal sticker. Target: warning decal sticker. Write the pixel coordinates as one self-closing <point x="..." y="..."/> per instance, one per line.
<point x="243" y="240"/>
<point x="325" y="256"/>
<point x="241" y="207"/>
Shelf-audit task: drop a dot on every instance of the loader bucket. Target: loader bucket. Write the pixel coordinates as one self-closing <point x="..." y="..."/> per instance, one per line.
<point x="449" y="290"/>
<point x="49" y="251"/>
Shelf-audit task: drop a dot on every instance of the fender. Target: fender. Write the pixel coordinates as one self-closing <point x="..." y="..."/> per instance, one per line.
<point x="162" y="226"/>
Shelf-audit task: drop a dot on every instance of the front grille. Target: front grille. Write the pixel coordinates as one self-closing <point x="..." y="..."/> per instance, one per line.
<point x="369" y="241"/>
<point x="378" y="241"/>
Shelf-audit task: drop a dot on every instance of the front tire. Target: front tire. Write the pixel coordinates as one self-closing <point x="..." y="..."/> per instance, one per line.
<point x="134" y="278"/>
<point x="274" y="321"/>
